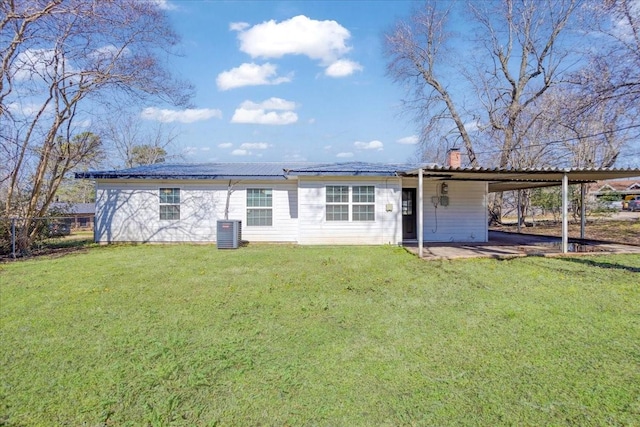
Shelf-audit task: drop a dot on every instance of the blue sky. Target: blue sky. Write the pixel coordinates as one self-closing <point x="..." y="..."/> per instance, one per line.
<point x="287" y="81"/>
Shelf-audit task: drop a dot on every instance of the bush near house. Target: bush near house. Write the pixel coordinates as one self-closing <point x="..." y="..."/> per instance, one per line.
<point x="286" y="335"/>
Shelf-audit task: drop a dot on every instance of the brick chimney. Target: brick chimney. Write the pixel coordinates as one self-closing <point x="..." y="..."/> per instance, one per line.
<point x="453" y="158"/>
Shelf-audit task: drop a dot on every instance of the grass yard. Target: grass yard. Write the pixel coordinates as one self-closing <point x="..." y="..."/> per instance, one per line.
<point x="284" y="335"/>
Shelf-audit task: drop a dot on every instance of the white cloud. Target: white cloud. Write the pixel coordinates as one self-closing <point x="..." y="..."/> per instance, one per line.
<point x="344" y="155"/>
<point x="189" y="151"/>
<point x="261" y="117"/>
<point x="238" y="26"/>
<point x="27" y="109"/>
<point x="472" y="126"/>
<point x="250" y="75"/>
<point x="109" y="52"/>
<point x="254" y="146"/>
<point x="372" y="145"/>
<point x="324" y="41"/>
<point x="247" y="147"/>
<point x="269" y="104"/>
<point x="621" y="27"/>
<point x="258" y="113"/>
<point x="38" y="62"/>
<point x="225" y="145"/>
<point x="408" y="140"/>
<point x="296" y="157"/>
<point x="195" y="151"/>
<point x="342" y="68"/>
<point x="189" y="115"/>
<point x="163" y="4"/>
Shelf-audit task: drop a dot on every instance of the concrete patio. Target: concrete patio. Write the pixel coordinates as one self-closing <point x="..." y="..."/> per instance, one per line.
<point x="503" y="245"/>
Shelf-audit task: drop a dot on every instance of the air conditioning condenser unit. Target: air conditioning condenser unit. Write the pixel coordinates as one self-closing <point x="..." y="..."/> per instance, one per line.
<point x="229" y="234"/>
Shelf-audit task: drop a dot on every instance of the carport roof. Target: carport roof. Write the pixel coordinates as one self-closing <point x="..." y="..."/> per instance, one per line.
<point x="505" y="179"/>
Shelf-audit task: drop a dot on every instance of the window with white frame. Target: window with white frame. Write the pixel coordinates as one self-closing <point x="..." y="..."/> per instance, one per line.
<point x="259" y="207"/>
<point x="169" y="203"/>
<point x="363" y="198"/>
<point x="337" y="198"/>
<point x="359" y="200"/>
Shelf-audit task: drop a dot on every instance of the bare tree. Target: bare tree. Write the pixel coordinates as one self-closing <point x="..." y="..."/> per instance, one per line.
<point x="134" y="144"/>
<point x="605" y="94"/>
<point x="614" y="70"/>
<point x="417" y="51"/>
<point x="591" y="140"/>
<point x="488" y="100"/>
<point x="64" y="63"/>
<point x="522" y="38"/>
<point x="520" y="60"/>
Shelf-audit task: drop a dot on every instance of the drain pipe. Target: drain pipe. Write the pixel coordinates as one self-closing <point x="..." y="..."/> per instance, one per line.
<point x="565" y="213"/>
<point x="420" y="213"/>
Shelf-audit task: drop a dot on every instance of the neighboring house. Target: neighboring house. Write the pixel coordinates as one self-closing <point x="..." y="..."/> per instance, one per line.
<point x="339" y="203"/>
<point x="625" y="189"/>
<point x="622" y="187"/>
<point x="77" y="215"/>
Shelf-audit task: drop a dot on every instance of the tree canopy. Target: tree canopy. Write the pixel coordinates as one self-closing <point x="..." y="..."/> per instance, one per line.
<point x="65" y="65"/>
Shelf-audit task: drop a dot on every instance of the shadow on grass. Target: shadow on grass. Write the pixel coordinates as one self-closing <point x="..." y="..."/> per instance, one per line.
<point x="53" y="247"/>
<point x="600" y="264"/>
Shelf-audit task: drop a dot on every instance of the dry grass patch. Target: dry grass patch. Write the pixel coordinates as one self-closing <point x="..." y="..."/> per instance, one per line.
<point x="627" y="232"/>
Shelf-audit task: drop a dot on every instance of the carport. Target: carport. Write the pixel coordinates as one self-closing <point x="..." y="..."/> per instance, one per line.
<point x="505" y="245"/>
<point x="499" y="179"/>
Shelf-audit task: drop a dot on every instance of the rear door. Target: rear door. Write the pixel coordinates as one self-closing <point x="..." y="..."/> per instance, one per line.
<point x="409" y="214"/>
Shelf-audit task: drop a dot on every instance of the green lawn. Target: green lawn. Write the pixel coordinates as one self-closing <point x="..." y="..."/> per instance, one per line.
<point x="284" y="335"/>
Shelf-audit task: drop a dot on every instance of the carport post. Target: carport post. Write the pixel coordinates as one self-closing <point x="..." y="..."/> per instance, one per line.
<point x="583" y="210"/>
<point x="420" y="213"/>
<point x="565" y="210"/>
<point x="518" y="208"/>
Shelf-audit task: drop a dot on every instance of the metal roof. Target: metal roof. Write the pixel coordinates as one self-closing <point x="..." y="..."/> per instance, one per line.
<point x="75" y="208"/>
<point x="197" y="171"/>
<point x="499" y="179"/>
<point x="353" y="169"/>
<point x="249" y="170"/>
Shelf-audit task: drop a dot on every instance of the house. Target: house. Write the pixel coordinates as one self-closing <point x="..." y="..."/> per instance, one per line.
<point x="624" y="189"/>
<point x="349" y="203"/>
<point x="76" y="215"/>
<point x="619" y="186"/>
<point x="310" y="203"/>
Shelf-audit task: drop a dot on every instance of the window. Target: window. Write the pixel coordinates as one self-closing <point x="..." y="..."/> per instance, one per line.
<point x="408" y="196"/>
<point x="259" y="207"/>
<point x="337" y="203"/>
<point x="169" y="203"/>
<point x="362" y="206"/>
<point x="363" y="198"/>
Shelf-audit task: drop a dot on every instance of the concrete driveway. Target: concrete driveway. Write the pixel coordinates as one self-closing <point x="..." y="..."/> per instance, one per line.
<point x="510" y="245"/>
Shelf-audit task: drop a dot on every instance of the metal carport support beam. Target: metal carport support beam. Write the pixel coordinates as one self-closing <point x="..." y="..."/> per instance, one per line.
<point x="565" y="213"/>
<point x="420" y="212"/>
<point x="583" y="211"/>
